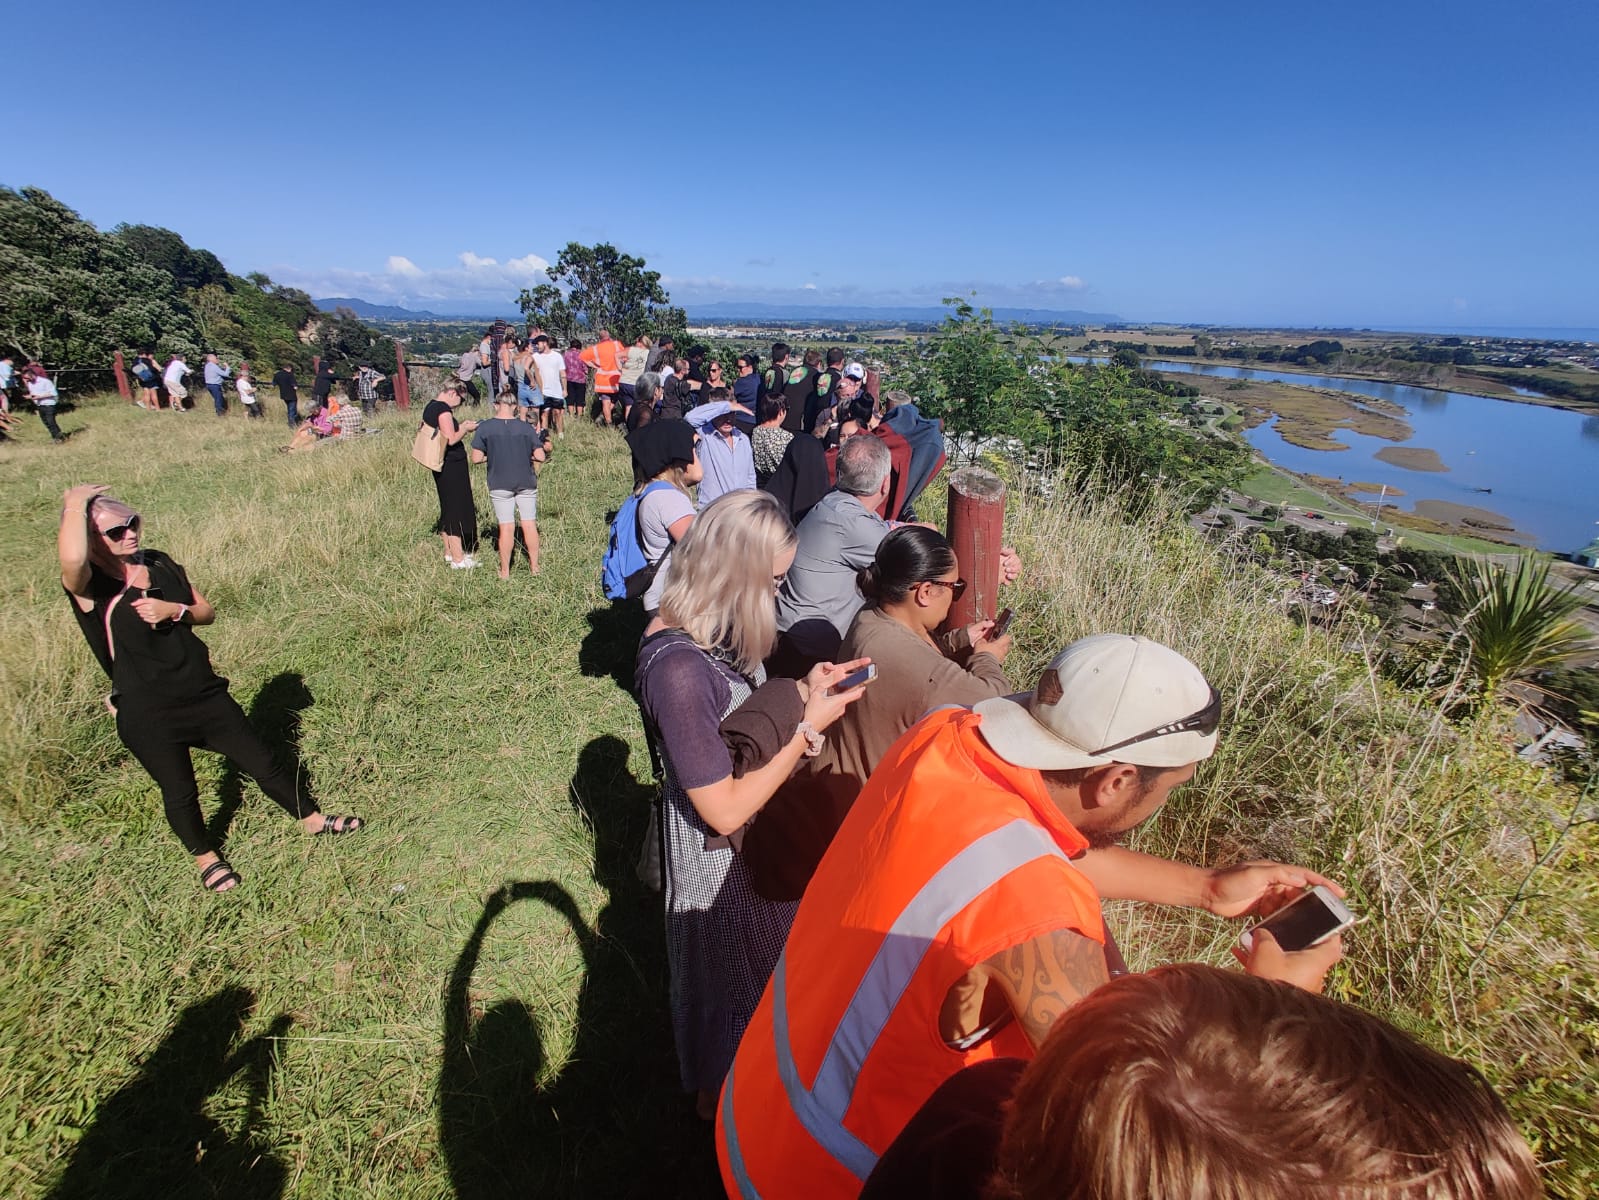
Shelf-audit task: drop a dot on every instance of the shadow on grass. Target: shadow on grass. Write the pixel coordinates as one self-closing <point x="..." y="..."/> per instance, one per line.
<point x="275" y="714"/>
<point x="152" y="1137"/>
<point x="610" y="647"/>
<point x="611" y="1121"/>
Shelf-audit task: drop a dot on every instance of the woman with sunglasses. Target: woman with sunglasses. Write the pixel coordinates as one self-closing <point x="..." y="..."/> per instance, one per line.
<point x="137" y="610"/>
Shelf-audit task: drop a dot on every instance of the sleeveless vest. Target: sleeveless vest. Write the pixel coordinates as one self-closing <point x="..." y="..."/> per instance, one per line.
<point x="948" y="857"/>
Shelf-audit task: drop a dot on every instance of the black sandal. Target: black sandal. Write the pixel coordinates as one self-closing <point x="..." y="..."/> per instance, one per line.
<point x="219" y="877"/>
<point x="332" y="826"/>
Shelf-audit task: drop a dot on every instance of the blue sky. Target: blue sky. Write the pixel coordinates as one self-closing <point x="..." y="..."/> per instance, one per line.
<point x="1370" y="164"/>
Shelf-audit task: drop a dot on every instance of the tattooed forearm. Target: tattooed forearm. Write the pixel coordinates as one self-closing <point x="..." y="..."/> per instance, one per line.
<point x="1042" y="978"/>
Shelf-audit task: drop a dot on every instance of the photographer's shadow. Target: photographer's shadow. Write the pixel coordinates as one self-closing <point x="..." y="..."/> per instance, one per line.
<point x="613" y="1121"/>
<point x="152" y="1137"/>
<point x="276" y="714"/>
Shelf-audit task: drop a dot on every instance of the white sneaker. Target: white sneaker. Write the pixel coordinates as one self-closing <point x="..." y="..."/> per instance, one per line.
<point x="466" y="564"/>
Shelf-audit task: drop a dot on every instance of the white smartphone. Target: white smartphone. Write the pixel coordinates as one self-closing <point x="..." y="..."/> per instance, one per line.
<point x="854" y="679"/>
<point x="1306" y="922"/>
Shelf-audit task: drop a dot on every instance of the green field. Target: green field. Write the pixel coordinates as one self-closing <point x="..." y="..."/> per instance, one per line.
<point x="468" y="998"/>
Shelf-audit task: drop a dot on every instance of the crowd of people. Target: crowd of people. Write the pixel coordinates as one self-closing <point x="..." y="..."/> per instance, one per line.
<point x="883" y="860"/>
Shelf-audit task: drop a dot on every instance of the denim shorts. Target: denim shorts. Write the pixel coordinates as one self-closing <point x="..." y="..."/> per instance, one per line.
<point x="510" y="506"/>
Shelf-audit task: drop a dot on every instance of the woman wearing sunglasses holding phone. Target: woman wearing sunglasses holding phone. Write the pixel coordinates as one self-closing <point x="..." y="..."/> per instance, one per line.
<point x="137" y="610"/>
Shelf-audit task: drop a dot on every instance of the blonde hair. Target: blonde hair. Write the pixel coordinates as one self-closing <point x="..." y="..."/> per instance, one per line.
<point x="719" y="590"/>
<point x="99" y="554"/>
<point x="1189" y="1082"/>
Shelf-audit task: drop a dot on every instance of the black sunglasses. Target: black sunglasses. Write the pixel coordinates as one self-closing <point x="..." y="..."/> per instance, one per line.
<point x="1203" y="722"/>
<point x="956" y="586"/>
<point x="117" y="532"/>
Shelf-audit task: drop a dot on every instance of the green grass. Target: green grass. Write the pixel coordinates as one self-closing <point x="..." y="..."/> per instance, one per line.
<point x="469" y="998"/>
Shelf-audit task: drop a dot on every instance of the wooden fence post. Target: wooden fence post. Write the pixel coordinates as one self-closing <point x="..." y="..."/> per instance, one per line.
<point x="122" y="375"/>
<point x="976" y="531"/>
<point x="402" y="382"/>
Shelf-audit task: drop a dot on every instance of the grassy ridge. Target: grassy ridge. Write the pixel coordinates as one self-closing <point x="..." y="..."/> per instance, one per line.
<point x="469" y="997"/>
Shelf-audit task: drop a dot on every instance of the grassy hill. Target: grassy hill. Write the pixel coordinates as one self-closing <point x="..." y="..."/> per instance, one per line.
<point x="469" y="997"/>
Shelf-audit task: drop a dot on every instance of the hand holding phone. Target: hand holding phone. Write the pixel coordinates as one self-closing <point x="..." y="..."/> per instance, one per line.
<point x="854" y="680"/>
<point x="1001" y="624"/>
<point x="1312" y="919"/>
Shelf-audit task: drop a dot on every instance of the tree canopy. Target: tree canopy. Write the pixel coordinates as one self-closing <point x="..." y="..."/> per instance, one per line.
<point x="599" y="287"/>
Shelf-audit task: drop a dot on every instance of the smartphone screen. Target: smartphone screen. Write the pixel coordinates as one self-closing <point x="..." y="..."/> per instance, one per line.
<point x="1001" y="624"/>
<point x="1312" y="918"/>
<point x="855" y="678"/>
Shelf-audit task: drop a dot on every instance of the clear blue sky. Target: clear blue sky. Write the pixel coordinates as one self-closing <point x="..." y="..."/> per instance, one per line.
<point x="1362" y="163"/>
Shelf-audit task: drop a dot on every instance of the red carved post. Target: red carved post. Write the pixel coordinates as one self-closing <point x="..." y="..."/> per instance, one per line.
<point x="976" y="531"/>
<point x="122" y="375"/>
<point x="402" y="382"/>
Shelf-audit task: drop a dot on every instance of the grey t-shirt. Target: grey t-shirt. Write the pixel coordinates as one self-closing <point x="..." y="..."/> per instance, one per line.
<point x="657" y="513"/>
<point x="837" y="539"/>
<point x="509" y="445"/>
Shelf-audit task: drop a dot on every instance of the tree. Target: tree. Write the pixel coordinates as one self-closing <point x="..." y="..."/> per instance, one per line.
<point x="599" y="287"/>
<point x="165" y="250"/>
<point x="971" y="379"/>
<point x="1515" y="623"/>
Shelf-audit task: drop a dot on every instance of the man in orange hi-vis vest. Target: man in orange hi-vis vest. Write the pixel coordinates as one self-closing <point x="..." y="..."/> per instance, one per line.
<point x="606" y="356"/>
<point x="957" y="912"/>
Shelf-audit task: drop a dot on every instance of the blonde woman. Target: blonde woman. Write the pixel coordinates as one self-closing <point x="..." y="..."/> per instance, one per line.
<point x="700" y="659"/>
<point x="137" y="610"/>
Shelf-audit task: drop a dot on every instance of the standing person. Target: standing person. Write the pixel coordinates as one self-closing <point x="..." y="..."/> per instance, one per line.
<point x="177" y="371"/>
<point x="664" y="451"/>
<point x="962" y="897"/>
<point x="700" y="659"/>
<point x="577" y="378"/>
<point x="43" y="394"/>
<point x="551" y="370"/>
<point x="747" y="383"/>
<point x="525" y="374"/>
<point x="665" y="351"/>
<point x="148" y="376"/>
<point x="322" y="383"/>
<point x="824" y="388"/>
<point x="645" y="392"/>
<point x="137" y="610"/>
<point x="367" y="379"/>
<point x="634" y="365"/>
<point x="466" y="373"/>
<point x="770" y="440"/>
<point x="289" y="392"/>
<point x="247" y="396"/>
<point x="457" y="511"/>
<point x="725" y="452"/>
<point x="488" y="365"/>
<point x="605" y="356"/>
<point x="512" y="449"/>
<point x="215" y="373"/>
<point x="8" y="377"/>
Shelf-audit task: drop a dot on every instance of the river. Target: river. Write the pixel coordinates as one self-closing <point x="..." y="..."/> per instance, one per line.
<point x="1541" y="463"/>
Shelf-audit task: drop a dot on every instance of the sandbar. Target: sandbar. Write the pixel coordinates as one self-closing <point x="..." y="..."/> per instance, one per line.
<point x="1451" y="513"/>
<point x="1373" y="488"/>
<point x="1412" y="458"/>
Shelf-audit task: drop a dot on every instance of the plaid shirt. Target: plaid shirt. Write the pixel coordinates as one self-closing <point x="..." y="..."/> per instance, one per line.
<point x="366" y="384"/>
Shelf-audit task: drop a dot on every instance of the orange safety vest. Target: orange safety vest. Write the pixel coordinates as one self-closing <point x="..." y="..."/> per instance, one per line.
<point x="606" y="359"/>
<point x="949" y="856"/>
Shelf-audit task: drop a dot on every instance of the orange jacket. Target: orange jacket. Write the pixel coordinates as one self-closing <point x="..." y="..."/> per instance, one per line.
<point x="948" y="857"/>
<point x="606" y="359"/>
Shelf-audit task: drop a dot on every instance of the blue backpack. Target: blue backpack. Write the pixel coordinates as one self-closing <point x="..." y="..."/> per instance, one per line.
<point x="625" y="573"/>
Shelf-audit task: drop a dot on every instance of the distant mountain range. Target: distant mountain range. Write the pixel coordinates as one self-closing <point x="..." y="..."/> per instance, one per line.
<point x="732" y="310"/>
<point x="368" y="311"/>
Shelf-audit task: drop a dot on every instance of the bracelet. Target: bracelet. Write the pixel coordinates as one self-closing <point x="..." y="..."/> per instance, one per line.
<point x="814" y="739"/>
<point x="183" y="611"/>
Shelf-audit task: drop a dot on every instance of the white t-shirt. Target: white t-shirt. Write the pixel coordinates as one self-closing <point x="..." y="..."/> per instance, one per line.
<point x="657" y="512"/>
<point x="246" y="390"/>
<point x="41" y="391"/>
<point x="552" y="374"/>
<point x="175" y="372"/>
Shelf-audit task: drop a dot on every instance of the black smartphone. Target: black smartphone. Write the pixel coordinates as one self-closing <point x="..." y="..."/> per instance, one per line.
<point x="1306" y="922"/>
<point x="1001" y="624"/>
<point x="854" y="679"/>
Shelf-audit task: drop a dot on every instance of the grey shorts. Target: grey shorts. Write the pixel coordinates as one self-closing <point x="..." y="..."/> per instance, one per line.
<point x="510" y="506"/>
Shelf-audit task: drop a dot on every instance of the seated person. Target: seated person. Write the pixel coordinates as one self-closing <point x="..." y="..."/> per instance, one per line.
<point x="317" y="426"/>
<point x="1190" y="1072"/>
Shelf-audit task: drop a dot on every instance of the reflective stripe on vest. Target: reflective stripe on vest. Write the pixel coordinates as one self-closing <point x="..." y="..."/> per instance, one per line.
<point x="821" y="1108"/>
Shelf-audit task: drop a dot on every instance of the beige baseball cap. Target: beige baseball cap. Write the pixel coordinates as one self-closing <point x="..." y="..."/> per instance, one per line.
<point x="1108" y="698"/>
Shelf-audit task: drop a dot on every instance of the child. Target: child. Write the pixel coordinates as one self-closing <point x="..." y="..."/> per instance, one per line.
<point x="247" y="393"/>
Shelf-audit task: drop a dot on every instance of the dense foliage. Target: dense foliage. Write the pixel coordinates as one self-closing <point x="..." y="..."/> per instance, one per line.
<point x="599" y="287"/>
<point x="74" y="295"/>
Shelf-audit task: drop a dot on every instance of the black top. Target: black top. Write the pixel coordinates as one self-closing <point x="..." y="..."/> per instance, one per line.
<point x="286" y="384"/>
<point x="951" y="1146"/>
<point x="323" y="383"/>
<point x="430" y="418"/>
<point x="151" y="665"/>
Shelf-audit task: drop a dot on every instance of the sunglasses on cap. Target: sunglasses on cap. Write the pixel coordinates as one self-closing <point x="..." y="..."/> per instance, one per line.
<point x="117" y="532"/>
<point x="1203" y="722"/>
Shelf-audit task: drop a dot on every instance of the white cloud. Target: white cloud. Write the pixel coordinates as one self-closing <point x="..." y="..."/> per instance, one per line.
<point x="1072" y="283"/>
<point x="478" y="279"/>
<point x="809" y="287"/>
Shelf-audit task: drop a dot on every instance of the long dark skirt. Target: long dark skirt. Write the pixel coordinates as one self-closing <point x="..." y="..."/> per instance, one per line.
<point x="457" y="511"/>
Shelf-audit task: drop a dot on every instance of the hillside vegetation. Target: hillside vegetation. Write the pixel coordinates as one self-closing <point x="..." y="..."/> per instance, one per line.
<point x="469" y="997"/>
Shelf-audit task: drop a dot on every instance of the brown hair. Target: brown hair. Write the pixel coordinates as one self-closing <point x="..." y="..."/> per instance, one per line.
<point x="1191" y="1082"/>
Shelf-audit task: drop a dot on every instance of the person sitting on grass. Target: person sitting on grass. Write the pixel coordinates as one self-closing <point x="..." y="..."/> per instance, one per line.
<point x="512" y="448"/>
<point x="311" y="431"/>
<point x="137" y="610"/>
<point x="1187" y="1073"/>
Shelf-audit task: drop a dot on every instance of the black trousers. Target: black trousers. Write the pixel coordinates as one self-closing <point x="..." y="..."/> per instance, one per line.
<point x="162" y="738"/>
<point x="47" y="414"/>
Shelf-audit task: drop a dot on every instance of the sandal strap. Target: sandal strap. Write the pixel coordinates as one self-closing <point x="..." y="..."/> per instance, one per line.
<point x="341" y="823"/>
<point x="217" y="874"/>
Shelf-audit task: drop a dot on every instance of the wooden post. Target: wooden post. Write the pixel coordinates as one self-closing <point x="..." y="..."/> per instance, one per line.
<point x="976" y="531"/>
<point x="122" y="375"/>
<point x="402" y="382"/>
